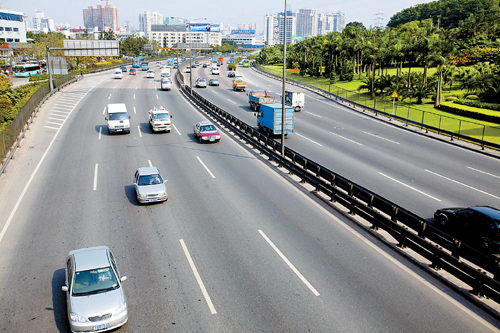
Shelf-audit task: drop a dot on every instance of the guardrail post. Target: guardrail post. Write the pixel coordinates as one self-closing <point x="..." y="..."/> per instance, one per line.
<point x="370" y="201"/>
<point x="421" y="232"/>
<point x="318" y="173"/>
<point x="401" y="241"/>
<point x="394" y="214"/>
<point x="407" y="116"/>
<point x="351" y="193"/>
<point x="456" y="248"/>
<point x="482" y="139"/>
<point x="477" y="289"/>
<point x="435" y="262"/>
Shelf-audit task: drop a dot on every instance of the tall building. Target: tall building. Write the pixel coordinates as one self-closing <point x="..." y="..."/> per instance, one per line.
<point x="169" y="35"/>
<point x="271" y="30"/>
<point x="37" y="20"/>
<point x="102" y="17"/>
<point x="307" y="23"/>
<point x="290" y="27"/>
<point x="47" y="24"/>
<point x="149" y="18"/>
<point x="330" y="22"/>
<point x="252" y="26"/>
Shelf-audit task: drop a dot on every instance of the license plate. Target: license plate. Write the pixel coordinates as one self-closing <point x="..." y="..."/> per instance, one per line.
<point x="212" y="139"/>
<point x="100" y="327"/>
<point x="119" y="130"/>
<point x="152" y="200"/>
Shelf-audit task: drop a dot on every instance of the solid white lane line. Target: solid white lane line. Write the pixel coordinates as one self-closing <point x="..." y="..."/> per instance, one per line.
<point x="104" y="110"/>
<point x="175" y="128"/>
<point x="484" y="172"/>
<point x="210" y="172"/>
<point x="198" y="278"/>
<point x="381" y="138"/>
<point x="340" y="136"/>
<point x="292" y="267"/>
<point x="100" y="132"/>
<point x="313" y="114"/>
<point x="412" y="188"/>
<point x="464" y="185"/>
<point x="134" y="110"/>
<point x="95" y="176"/>
<point x="139" y="128"/>
<point x="231" y="101"/>
<point x="309" y="139"/>
<point x="109" y="96"/>
<point x="56" y="128"/>
<point x="150" y="164"/>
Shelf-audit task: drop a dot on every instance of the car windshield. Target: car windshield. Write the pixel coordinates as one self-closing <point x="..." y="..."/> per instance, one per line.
<point x="161" y="116"/>
<point x="150" y="180"/>
<point x="94" y="281"/>
<point x="201" y="80"/>
<point x="207" y="128"/>
<point x="118" y="116"/>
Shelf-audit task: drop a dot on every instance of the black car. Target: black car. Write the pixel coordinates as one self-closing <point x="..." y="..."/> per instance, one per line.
<point x="193" y="66"/>
<point x="204" y="65"/>
<point x="478" y="225"/>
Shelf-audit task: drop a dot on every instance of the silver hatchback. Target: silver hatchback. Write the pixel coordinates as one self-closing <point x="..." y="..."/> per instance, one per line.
<point x="149" y="186"/>
<point x="94" y="292"/>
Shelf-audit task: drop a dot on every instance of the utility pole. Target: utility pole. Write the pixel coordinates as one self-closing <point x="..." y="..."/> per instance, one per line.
<point x="283" y="89"/>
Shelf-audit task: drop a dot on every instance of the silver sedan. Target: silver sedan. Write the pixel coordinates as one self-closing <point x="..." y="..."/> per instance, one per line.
<point x="94" y="292"/>
<point x="149" y="186"/>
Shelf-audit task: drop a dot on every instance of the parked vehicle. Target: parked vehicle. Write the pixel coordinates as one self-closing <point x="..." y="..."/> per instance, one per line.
<point x="149" y="186"/>
<point x="295" y="99"/>
<point x="213" y="82"/>
<point x="94" y="293"/>
<point x="118" y="118"/>
<point x="239" y="85"/>
<point x="205" y="131"/>
<point x="478" y="225"/>
<point x="269" y="119"/>
<point x="159" y="120"/>
<point x="258" y="97"/>
<point x="166" y="84"/>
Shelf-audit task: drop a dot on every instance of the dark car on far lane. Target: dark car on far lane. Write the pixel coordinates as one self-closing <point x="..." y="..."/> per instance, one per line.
<point x="478" y="225"/>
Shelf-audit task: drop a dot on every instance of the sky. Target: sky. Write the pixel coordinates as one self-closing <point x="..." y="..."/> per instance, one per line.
<point x="219" y="11"/>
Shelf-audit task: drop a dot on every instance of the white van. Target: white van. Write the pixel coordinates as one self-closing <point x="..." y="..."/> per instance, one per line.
<point x="118" y="118"/>
<point x="215" y="70"/>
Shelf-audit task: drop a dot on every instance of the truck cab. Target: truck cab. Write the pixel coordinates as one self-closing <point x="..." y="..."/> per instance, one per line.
<point x="160" y="120"/>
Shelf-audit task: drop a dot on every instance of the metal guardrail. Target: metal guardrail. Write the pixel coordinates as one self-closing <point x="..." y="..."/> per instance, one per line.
<point x="410" y="230"/>
<point x="452" y="134"/>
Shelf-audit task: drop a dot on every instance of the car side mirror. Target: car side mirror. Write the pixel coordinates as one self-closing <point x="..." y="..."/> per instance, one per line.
<point x="105" y="118"/>
<point x="64" y="288"/>
<point x="128" y="117"/>
<point x="255" y="114"/>
<point x="165" y="181"/>
<point x="123" y="278"/>
<point x="170" y="116"/>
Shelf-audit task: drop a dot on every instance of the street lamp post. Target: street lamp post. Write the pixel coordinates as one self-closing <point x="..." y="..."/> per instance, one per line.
<point x="283" y="89"/>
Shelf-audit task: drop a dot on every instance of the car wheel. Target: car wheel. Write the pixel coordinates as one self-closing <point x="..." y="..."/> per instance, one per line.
<point x="199" y="139"/>
<point x="442" y="220"/>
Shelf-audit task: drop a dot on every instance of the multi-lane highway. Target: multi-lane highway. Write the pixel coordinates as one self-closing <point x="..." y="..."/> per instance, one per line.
<point x="236" y="248"/>
<point x="416" y="172"/>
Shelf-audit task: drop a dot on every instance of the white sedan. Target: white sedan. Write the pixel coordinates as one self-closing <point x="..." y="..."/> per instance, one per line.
<point x="150" y="74"/>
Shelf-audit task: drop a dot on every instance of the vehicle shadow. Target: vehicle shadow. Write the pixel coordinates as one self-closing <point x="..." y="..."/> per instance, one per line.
<point x="59" y="301"/>
<point x="104" y="130"/>
<point x="131" y="195"/>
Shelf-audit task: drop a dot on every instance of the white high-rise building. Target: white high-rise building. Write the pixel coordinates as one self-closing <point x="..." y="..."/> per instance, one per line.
<point x="37" y="20"/>
<point x="307" y="23"/>
<point x="149" y="18"/>
<point x="330" y="22"/>
<point x="47" y="25"/>
<point x="271" y="30"/>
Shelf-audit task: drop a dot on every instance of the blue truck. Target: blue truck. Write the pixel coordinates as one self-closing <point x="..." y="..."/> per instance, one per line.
<point x="214" y="59"/>
<point x="170" y="61"/>
<point x="269" y="119"/>
<point x="258" y="97"/>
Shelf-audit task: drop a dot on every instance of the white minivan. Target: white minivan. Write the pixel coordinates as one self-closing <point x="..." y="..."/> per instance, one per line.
<point x="215" y="70"/>
<point x="118" y="118"/>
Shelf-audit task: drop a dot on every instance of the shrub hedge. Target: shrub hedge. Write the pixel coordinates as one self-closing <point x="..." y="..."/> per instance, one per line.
<point x="470" y="112"/>
<point x="478" y="104"/>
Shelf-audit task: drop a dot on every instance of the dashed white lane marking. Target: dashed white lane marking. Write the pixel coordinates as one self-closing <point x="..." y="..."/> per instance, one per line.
<point x="100" y="132"/>
<point x="150" y="164"/>
<point x="484" y="172"/>
<point x="408" y="186"/>
<point x="206" y="168"/>
<point x="464" y="185"/>
<point x="381" y="138"/>
<point x="198" y="278"/>
<point x="176" y="129"/>
<point x="340" y="136"/>
<point x="109" y="96"/>
<point x="231" y="101"/>
<point x="104" y="111"/>
<point x="309" y="139"/>
<point x="313" y="114"/>
<point x="139" y="128"/>
<point x="134" y="110"/>
<point x="96" y="169"/>
<point x="292" y="267"/>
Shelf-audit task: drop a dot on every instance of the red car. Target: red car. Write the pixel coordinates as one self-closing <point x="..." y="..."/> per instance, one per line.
<point x="206" y="131"/>
<point x="132" y="71"/>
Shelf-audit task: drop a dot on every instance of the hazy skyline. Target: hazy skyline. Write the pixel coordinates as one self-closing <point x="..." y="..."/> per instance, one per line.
<point x="222" y="11"/>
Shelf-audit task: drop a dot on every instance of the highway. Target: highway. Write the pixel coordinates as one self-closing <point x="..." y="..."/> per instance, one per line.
<point x="419" y="173"/>
<point x="236" y="248"/>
